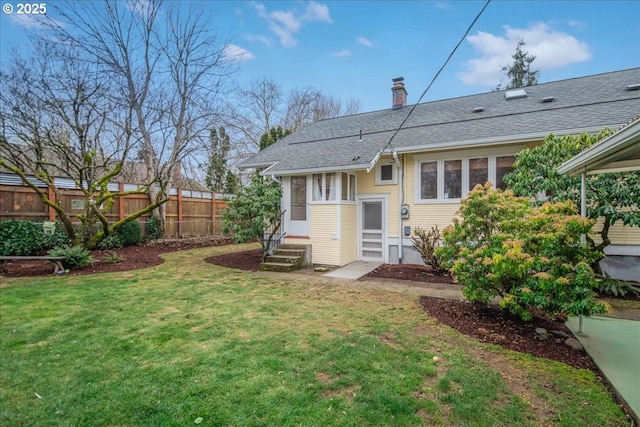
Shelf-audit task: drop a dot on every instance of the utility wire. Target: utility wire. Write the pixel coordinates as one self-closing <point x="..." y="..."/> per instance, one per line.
<point x="437" y="74"/>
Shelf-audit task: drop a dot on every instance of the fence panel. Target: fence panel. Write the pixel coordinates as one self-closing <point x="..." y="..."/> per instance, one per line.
<point x="197" y="215"/>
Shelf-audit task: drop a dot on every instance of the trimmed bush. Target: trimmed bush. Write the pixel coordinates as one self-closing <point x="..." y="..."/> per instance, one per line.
<point x="130" y="233"/>
<point x="24" y="238"/>
<point x="531" y="257"/>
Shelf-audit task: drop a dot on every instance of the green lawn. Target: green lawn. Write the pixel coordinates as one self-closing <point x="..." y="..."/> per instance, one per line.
<point x="190" y="343"/>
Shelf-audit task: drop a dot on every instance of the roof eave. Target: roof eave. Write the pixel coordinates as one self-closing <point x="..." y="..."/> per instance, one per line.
<point x="308" y="171"/>
<point x="501" y="140"/>
<point x="599" y="158"/>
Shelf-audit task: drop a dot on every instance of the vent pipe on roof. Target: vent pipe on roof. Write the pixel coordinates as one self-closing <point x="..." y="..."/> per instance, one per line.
<point x="399" y="93"/>
<point x="633" y="87"/>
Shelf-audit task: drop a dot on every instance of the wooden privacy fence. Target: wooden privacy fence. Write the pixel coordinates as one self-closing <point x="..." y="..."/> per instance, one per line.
<point x="189" y="212"/>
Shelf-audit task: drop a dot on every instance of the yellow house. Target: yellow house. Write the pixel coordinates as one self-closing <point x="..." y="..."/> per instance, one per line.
<point x="355" y="187"/>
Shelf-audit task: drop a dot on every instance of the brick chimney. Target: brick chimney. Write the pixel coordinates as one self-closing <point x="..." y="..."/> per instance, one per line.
<point x="399" y="93"/>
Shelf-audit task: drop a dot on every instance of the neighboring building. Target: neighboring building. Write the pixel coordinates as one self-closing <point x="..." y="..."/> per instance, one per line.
<point x="355" y="186"/>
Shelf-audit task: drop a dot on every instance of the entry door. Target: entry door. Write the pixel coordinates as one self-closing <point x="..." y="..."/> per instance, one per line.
<point x="371" y="241"/>
<point x="298" y="214"/>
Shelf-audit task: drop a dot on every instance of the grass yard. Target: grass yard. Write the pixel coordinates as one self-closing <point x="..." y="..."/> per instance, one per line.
<point x="191" y="343"/>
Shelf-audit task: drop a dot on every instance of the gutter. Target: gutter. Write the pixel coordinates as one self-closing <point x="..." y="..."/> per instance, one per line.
<point x="400" y="203"/>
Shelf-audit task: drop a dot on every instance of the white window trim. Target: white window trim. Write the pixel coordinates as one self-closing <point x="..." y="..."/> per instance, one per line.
<point x="338" y="199"/>
<point x="350" y="176"/>
<point x="465" y="156"/>
<point x="378" y="173"/>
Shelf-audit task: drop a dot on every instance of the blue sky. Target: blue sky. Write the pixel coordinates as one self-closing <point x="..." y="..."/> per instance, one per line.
<point x="352" y="49"/>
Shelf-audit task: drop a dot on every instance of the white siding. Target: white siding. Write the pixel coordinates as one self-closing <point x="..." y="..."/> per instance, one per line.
<point x="323" y="231"/>
<point x="349" y="234"/>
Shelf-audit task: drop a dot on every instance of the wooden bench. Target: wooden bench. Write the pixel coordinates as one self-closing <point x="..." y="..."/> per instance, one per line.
<point x="55" y="260"/>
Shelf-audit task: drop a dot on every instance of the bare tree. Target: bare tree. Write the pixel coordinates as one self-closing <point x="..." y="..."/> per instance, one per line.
<point x="257" y="109"/>
<point x="57" y="121"/>
<point x="167" y="67"/>
<point x="261" y="110"/>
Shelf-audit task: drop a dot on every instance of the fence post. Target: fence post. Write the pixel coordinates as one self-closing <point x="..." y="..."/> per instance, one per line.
<point x="179" y="212"/>
<point x="213" y="212"/>
<point x="121" y="201"/>
<point x="52" y="197"/>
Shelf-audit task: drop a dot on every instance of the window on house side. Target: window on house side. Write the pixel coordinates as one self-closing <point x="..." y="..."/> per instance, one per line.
<point x="429" y="180"/>
<point x="504" y="165"/>
<point x="478" y="172"/>
<point x="386" y="173"/>
<point x="452" y="179"/>
<point x="348" y="187"/>
<point x="324" y="186"/>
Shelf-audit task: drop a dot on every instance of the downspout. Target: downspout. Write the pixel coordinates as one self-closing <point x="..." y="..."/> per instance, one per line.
<point x="400" y="203"/>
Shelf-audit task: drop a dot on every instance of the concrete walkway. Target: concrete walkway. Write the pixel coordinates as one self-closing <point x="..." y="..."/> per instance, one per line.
<point x="613" y="344"/>
<point x="355" y="270"/>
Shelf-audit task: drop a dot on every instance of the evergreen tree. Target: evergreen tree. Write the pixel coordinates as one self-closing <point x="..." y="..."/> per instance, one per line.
<point x="216" y="178"/>
<point x="274" y="134"/>
<point x="232" y="184"/>
<point x="520" y="73"/>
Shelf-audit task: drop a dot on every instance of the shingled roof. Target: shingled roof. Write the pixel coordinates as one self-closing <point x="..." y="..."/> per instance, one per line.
<point x="570" y="106"/>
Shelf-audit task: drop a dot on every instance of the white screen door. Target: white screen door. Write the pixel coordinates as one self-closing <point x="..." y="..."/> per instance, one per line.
<point x="372" y="230"/>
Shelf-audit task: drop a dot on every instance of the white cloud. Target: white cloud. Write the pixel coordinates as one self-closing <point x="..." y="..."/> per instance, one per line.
<point x="363" y="41"/>
<point x="37" y="22"/>
<point x="141" y="7"/>
<point x="258" y="38"/>
<point x="342" y="54"/>
<point x="442" y="5"/>
<point x="236" y="53"/>
<point x="553" y="50"/>
<point x="286" y="23"/>
<point x="317" y="12"/>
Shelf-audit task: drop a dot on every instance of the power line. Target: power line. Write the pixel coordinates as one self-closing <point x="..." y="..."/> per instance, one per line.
<point x="437" y="74"/>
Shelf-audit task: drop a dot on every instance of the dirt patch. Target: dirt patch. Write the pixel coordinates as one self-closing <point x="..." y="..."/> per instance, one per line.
<point x="413" y="272"/>
<point x="248" y="261"/>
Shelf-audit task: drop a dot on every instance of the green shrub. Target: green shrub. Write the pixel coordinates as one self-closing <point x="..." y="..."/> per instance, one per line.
<point x="112" y="241"/>
<point x="22" y="238"/>
<point x="113" y="258"/>
<point x="130" y="233"/>
<point x="57" y="238"/>
<point x="153" y="229"/>
<point x="77" y="256"/>
<point x="610" y="286"/>
<point x="425" y="243"/>
<point x="531" y="257"/>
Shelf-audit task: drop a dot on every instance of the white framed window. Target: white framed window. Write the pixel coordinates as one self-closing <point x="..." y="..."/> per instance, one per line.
<point x="385" y="173"/>
<point x="447" y="179"/>
<point x="323" y="187"/>
<point x="348" y="187"/>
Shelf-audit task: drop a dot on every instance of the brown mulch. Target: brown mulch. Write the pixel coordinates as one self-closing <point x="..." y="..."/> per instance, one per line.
<point x="487" y="324"/>
<point x="132" y="257"/>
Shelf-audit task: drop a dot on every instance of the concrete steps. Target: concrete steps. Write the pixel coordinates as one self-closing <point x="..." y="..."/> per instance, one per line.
<point x="284" y="259"/>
